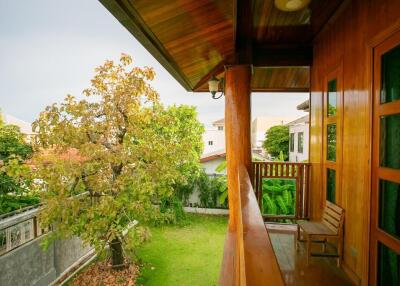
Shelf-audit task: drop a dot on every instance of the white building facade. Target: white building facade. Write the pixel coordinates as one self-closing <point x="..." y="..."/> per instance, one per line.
<point x="299" y="134"/>
<point x="214" y="138"/>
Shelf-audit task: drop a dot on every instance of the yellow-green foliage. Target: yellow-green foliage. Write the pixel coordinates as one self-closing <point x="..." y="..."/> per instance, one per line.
<point x="120" y="148"/>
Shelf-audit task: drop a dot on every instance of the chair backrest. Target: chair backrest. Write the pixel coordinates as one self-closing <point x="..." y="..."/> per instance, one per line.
<point x="333" y="217"/>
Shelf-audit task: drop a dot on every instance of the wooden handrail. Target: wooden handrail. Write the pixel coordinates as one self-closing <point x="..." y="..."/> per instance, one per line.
<point x="249" y="258"/>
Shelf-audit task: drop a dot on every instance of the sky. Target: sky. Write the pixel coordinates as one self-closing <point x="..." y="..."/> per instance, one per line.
<point x="49" y="48"/>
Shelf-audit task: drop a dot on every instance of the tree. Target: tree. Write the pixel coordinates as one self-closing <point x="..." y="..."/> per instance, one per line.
<point x="277" y="140"/>
<point x="106" y="160"/>
<point x="14" y="193"/>
<point x="186" y="125"/>
<point x="12" y="143"/>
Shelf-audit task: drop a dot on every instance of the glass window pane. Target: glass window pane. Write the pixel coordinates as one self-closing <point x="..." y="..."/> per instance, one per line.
<point x="332" y="88"/>
<point x="331" y="142"/>
<point x="389" y="141"/>
<point x="291" y="142"/>
<point x="389" y="207"/>
<point x="388" y="266"/>
<point x="330" y="185"/>
<point x="390" y="77"/>
<point x="300" y="142"/>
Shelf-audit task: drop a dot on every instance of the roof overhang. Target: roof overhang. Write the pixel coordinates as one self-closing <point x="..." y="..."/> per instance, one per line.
<point x="194" y="39"/>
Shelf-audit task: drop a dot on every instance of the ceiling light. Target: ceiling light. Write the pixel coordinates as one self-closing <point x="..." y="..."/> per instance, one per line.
<point x="291" y="5"/>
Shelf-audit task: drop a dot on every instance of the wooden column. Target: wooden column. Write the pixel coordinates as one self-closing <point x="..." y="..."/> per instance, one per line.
<point x="237" y="130"/>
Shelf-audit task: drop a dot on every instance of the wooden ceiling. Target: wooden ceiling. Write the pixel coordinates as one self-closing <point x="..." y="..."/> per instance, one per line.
<point x="194" y="39"/>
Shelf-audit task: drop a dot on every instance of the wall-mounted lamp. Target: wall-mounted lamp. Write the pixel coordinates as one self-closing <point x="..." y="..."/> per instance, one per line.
<point x="213" y="87"/>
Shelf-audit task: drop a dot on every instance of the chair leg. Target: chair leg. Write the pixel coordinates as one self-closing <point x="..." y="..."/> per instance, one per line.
<point x="296" y="238"/>
<point x="324" y="246"/>
<point x="308" y="238"/>
<point x="340" y="251"/>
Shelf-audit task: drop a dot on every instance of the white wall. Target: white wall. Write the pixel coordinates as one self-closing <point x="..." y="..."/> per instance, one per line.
<point x="295" y="156"/>
<point x="218" y="139"/>
<point x="210" y="166"/>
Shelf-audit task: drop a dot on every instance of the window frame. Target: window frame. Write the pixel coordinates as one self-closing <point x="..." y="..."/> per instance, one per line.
<point x="337" y="119"/>
<point x="377" y="234"/>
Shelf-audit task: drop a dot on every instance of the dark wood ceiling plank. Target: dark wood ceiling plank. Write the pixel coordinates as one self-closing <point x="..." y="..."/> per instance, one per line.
<point x="275" y="56"/>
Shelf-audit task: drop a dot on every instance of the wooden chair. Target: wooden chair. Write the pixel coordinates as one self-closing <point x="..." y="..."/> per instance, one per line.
<point x="329" y="227"/>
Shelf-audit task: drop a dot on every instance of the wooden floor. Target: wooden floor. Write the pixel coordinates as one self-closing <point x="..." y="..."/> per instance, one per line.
<point x="321" y="270"/>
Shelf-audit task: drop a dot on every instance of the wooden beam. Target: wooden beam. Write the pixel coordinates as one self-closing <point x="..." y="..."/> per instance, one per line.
<point x="281" y="56"/>
<point x="243" y="31"/>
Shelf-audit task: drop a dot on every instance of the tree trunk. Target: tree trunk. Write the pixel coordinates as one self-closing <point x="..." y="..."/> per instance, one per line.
<point x="117" y="257"/>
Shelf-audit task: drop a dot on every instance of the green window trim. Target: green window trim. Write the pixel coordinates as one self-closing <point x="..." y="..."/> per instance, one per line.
<point x="331" y="185"/>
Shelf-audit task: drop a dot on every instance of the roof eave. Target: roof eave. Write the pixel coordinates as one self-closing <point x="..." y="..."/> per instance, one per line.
<point x="130" y="19"/>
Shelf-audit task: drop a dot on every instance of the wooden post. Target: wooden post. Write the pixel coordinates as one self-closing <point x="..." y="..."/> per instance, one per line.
<point x="237" y="131"/>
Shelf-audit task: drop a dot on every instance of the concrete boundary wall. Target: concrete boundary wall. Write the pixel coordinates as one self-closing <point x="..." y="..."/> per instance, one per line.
<point x="30" y="265"/>
<point x="206" y="211"/>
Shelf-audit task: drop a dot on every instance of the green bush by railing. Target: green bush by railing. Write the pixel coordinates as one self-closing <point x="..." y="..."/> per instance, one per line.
<point x="279" y="196"/>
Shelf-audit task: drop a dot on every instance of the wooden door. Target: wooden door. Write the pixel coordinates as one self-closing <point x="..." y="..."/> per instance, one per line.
<point x="332" y="136"/>
<point x="385" y="200"/>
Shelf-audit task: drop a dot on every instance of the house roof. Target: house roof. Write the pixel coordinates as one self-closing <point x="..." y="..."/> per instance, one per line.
<point x="305" y="105"/>
<point x="194" y="39"/>
<point x="213" y="155"/>
<point x="222" y="154"/>
<point x="219" y="121"/>
<point x="303" y="119"/>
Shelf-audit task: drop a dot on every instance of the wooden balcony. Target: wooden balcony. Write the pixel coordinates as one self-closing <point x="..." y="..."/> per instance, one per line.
<point x="293" y="265"/>
<point x="263" y="254"/>
<point x="249" y="258"/>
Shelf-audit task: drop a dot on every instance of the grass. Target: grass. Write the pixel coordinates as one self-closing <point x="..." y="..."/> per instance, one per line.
<point x="188" y="254"/>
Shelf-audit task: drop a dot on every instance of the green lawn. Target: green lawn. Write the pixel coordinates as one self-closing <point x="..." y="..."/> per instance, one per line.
<point x="184" y="255"/>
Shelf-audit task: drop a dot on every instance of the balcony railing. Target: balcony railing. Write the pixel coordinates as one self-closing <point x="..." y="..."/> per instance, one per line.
<point x="249" y="258"/>
<point x="282" y="189"/>
<point x="18" y="228"/>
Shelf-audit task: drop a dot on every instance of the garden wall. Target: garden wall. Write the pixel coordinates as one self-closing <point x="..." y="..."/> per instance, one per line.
<point x="30" y="265"/>
<point x="206" y="211"/>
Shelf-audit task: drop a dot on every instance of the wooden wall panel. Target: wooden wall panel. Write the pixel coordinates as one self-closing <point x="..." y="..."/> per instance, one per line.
<point x="346" y="38"/>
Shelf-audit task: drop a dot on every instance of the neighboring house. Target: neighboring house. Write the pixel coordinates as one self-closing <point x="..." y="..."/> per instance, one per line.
<point x="214" y="154"/>
<point x="209" y="163"/>
<point x="299" y="135"/>
<point x="259" y="126"/>
<point x="25" y="127"/>
<point x="214" y="138"/>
